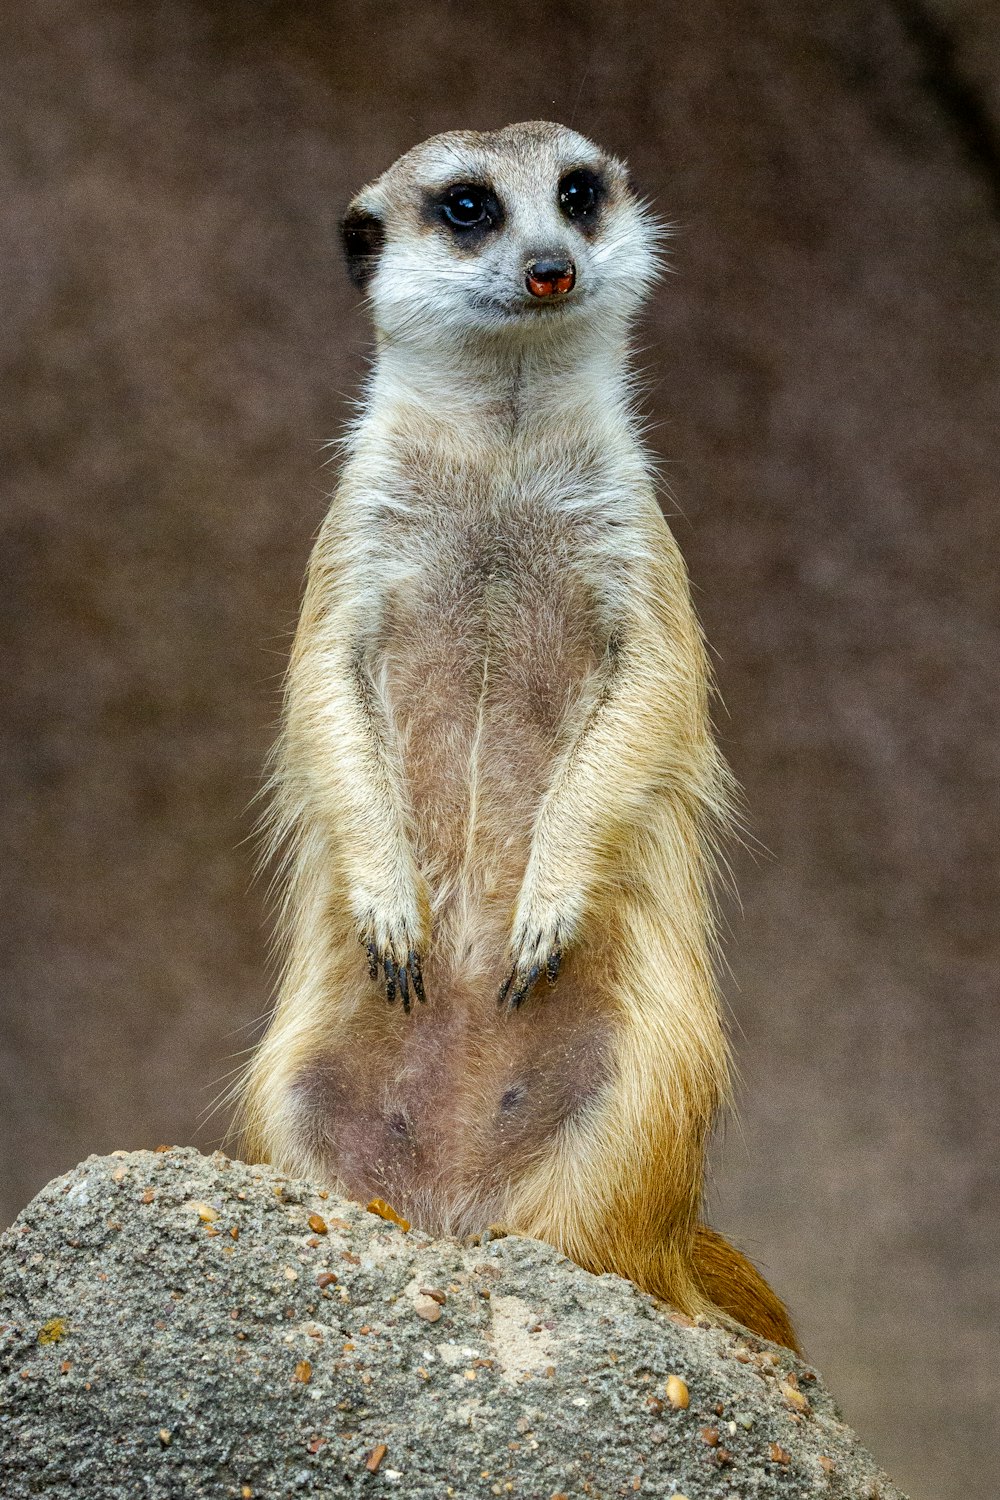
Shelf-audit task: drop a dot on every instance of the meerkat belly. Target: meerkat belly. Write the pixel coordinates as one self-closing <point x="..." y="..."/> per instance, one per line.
<point x="487" y="675"/>
<point x="439" y="1113"/>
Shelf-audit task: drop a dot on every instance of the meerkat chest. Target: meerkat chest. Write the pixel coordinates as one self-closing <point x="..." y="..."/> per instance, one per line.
<point x="500" y="591"/>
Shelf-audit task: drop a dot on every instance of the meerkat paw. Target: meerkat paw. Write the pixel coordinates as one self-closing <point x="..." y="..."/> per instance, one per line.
<point x="393" y="950"/>
<point x="537" y="949"/>
<point x="399" y="968"/>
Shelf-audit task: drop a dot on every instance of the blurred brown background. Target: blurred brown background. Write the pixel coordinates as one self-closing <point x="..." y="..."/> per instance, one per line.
<point x="177" y="341"/>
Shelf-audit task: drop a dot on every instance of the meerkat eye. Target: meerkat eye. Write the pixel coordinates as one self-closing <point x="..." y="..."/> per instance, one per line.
<point x="466" y="206"/>
<point x="580" y="193"/>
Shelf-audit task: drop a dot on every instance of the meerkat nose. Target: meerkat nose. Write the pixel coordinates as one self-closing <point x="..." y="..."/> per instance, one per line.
<point x="550" y="277"/>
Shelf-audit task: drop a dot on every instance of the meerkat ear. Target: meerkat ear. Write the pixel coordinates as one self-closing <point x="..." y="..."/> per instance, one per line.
<point x="363" y="236"/>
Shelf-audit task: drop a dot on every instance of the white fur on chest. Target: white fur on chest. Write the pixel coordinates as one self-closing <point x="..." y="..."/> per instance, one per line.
<point x="497" y="531"/>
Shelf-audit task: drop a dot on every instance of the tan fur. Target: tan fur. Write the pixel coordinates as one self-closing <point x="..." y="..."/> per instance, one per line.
<point x="496" y="742"/>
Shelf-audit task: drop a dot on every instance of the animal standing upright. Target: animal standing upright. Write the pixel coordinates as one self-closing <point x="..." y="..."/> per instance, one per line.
<point x="496" y="789"/>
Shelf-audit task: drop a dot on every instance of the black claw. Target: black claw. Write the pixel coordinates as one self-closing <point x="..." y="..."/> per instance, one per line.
<point x="403" y="980"/>
<point x="552" y="965"/>
<point x="502" y="994"/>
<point x="522" y="990"/>
<point x="418" y="980"/>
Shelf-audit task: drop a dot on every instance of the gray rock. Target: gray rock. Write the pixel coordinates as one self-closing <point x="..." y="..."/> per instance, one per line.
<point x="173" y="1325"/>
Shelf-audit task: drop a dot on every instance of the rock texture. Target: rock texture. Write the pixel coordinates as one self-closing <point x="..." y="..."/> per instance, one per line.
<point x="172" y="1324"/>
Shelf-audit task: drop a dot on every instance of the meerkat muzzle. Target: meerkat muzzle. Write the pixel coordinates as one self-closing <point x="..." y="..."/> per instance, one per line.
<point x="550" y="278"/>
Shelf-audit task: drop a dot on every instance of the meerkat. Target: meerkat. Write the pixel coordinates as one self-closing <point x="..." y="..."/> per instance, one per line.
<point x="497" y="789"/>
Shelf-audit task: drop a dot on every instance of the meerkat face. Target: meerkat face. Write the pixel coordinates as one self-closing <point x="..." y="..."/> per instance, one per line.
<point x="519" y="232"/>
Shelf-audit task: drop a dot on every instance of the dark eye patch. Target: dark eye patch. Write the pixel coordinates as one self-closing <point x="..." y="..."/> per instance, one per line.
<point x="363" y="237"/>
<point x="470" y="210"/>
<point x="581" y="194"/>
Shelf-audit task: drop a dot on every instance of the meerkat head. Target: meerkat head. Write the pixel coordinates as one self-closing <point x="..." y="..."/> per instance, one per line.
<point x="513" y="234"/>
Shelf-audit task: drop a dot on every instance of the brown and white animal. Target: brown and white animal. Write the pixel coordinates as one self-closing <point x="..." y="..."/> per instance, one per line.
<point x="496" y="787"/>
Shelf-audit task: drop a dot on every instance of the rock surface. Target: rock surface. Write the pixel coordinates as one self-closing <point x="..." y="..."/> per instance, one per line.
<point x="178" y="1325"/>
